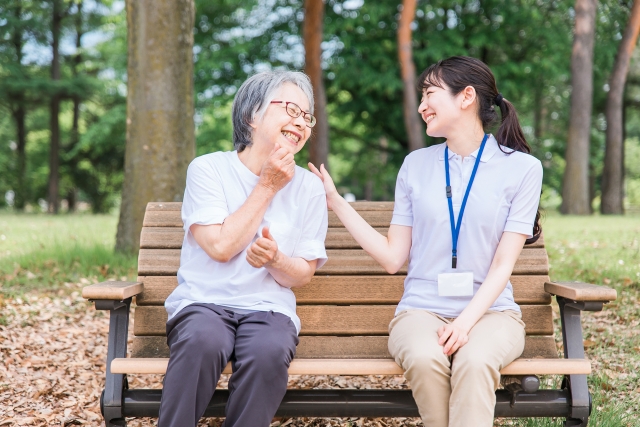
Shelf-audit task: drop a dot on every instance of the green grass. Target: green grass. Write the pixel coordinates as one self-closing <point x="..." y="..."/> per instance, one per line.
<point x="41" y="252"/>
<point x="55" y="252"/>
<point x="606" y="251"/>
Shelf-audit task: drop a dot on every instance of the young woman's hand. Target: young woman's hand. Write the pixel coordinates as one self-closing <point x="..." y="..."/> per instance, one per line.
<point x="452" y="337"/>
<point x="329" y="186"/>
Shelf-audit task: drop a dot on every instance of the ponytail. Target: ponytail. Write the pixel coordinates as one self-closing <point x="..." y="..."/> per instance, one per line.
<point x="457" y="73"/>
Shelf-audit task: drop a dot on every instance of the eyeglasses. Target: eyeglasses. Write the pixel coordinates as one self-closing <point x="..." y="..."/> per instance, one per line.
<point x="295" y="111"/>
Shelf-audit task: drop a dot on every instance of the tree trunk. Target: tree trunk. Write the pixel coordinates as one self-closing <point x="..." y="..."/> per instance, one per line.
<point x="160" y="127"/>
<point x="313" y="29"/>
<point x="613" y="172"/>
<point x="575" y="187"/>
<point x="75" y="131"/>
<point x="19" y="114"/>
<point x="412" y="121"/>
<point x="54" y="122"/>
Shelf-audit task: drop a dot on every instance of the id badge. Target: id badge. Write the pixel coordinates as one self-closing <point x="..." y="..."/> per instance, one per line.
<point x="455" y="284"/>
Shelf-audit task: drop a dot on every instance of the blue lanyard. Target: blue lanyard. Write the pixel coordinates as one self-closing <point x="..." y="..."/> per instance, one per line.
<point x="455" y="228"/>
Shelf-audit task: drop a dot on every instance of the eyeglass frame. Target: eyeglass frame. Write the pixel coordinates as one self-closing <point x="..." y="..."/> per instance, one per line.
<point x="303" y="113"/>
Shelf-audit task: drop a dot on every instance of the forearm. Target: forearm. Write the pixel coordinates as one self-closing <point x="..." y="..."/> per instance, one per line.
<point x="389" y="254"/>
<point x="488" y="293"/>
<point x="238" y="230"/>
<point x="291" y="272"/>
<point x="497" y="278"/>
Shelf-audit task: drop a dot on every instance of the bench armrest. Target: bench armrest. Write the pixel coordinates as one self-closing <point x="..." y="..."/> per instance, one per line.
<point x="112" y="290"/>
<point x="585" y="292"/>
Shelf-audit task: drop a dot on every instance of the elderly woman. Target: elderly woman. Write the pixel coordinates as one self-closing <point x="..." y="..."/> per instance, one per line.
<point x="255" y="225"/>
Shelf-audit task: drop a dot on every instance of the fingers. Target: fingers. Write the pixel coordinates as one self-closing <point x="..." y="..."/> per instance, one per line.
<point x="267" y="234"/>
<point x="444" y="332"/>
<point x="315" y="171"/>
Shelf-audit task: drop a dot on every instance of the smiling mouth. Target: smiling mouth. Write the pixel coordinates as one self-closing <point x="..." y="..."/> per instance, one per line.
<point x="292" y="137"/>
<point x="429" y="118"/>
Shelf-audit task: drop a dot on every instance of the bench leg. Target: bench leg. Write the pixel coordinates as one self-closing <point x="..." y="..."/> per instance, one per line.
<point x="111" y="399"/>
<point x="574" y="349"/>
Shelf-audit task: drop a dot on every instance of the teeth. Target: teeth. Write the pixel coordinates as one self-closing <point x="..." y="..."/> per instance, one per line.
<point x="430" y="117"/>
<point x="291" y="137"/>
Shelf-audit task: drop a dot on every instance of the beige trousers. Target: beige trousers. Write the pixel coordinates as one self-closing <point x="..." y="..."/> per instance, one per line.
<point x="456" y="391"/>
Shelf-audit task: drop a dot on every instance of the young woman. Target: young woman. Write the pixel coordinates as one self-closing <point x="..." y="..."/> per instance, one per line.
<point x="463" y="210"/>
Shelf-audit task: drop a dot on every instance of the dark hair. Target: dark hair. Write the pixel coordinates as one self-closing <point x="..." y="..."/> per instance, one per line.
<point x="457" y="73"/>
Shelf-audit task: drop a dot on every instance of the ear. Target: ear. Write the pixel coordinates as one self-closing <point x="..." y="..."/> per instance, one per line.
<point x="468" y="97"/>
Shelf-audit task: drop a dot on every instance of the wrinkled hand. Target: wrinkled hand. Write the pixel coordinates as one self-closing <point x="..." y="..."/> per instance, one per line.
<point x="452" y="337"/>
<point x="278" y="169"/>
<point x="263" y="251"/>
<point x="329" y="186"/>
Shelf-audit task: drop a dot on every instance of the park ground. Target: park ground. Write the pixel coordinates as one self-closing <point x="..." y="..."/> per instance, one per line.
<point x="53" y="343"/>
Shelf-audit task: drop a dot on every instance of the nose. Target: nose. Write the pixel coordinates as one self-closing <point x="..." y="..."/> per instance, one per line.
<point x="299" y="122"/>
<point x="423" y="106"/>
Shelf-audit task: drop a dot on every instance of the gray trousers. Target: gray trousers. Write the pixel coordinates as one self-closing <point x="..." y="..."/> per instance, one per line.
<point x="202" y="338"/>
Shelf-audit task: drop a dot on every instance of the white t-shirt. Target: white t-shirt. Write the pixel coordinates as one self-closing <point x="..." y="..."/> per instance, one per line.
<point x="504" y="197"/>
<point x="217" y="185"/>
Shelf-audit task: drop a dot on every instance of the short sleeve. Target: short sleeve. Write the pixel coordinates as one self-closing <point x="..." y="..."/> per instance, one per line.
<point x="402" y="209"/>
<point x="524" y="205"/>
<point x="204" y="201"/>
<point x="314" y="231"/>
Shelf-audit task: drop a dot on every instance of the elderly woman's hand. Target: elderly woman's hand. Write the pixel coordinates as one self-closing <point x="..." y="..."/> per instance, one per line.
<point x="329" y="186"/>
<point x="278" y="169"/>
<point x="263" y="251"/>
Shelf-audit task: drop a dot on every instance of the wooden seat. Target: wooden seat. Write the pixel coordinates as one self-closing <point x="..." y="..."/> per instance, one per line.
<point x="346" y="308"/>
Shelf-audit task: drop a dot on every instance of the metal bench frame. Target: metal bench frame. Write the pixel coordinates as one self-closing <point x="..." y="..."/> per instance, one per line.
<point x="572" y="401"/>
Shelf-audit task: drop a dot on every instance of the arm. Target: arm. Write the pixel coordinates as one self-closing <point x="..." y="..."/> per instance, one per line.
<point x="287" y="271"/>
<point x="224" y="241"/>
<point x="455" y="335"/>
<point x="390" y="252"/>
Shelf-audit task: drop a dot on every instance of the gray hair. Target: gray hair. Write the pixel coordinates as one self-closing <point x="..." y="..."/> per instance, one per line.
<point x="255" y="95"/>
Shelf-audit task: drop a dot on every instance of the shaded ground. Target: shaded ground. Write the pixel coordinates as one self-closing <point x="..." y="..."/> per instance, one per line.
<point x="54" y="347"/>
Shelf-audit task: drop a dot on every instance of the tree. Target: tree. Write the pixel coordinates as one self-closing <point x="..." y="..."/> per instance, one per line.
<point x="613" y="173"/>
<point x="313" y="30"/>
<point x="412" y="122"/>
<point x="59" y="12"/>
<point x="575" y="188"/>
<point x="160" y="126"/>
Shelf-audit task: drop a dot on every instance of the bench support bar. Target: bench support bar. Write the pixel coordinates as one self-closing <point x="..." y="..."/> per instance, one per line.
<point x="574" y="348"/>
<point x="111" y="401"/>
<point x="361" y="403"/>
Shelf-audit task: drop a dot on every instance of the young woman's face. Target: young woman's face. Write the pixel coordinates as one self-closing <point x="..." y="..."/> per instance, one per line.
<point x="440" y="110"/>
<point x="277" y="126"/>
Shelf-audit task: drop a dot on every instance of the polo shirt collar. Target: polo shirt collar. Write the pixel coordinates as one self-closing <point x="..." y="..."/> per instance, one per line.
<point x="489" y="150"/>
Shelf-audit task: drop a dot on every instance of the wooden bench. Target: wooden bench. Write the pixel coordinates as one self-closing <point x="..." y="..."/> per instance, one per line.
<point x="345" y="311"/>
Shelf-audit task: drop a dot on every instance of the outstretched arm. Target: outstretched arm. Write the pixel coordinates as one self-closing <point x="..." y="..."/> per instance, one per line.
<point x="390" y="252"/>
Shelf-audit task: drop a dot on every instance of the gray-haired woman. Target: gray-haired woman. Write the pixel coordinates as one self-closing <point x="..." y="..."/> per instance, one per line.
<point x="255" y="225"/>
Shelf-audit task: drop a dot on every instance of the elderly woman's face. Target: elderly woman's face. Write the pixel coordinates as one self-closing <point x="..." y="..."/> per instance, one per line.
<point x="277" y="126"/>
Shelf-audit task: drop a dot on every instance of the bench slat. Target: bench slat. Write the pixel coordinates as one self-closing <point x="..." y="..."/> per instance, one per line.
<point x="366" y="367"/>
<point x="342" y="320"/>
<point x="172" y="237"/>
<point x="349" y="290"/>
<point x="358" y="347"/>
<point x="165" y="262"/>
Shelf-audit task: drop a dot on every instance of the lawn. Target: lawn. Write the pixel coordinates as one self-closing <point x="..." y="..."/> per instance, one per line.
<point x="45" y="259"/>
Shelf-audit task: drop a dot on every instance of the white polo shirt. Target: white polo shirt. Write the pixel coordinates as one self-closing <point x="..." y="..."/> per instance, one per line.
<point x="504" y="197"/>
<point x="217" y="185"/>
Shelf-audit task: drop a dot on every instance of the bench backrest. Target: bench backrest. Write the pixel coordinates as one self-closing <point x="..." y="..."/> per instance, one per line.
<point x="346" y="308"/>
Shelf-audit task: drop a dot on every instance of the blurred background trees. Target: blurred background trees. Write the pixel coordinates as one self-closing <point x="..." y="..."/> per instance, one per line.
<point x="69" y="109"/>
